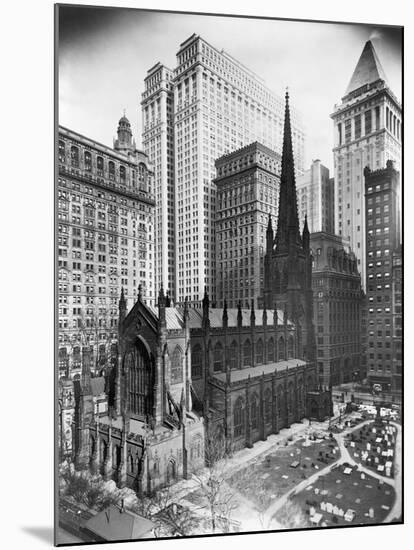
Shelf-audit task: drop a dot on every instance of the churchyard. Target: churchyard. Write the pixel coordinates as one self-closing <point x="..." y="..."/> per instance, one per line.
<point x="373" y="446"/>
<point x="268" y="477"/>
<point x="344" y="496"/>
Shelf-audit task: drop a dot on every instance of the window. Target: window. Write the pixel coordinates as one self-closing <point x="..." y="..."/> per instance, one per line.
<point x="88" y="161"/>
<point x="176" y="366"/>
<point x="233" y="355"/>
<point x="196" y="361"/>
<point x="74" y="156"/>
<point x="122" y="174"/>
<point x="247" y="353"/>
<point x="259" y="352"/>
<point x="270" y="350"/>
<point x="281" y="349"/>
<point x="218" y="357"/>
<point x="62" y="156"/>
<point x="111" y="170"/>
<point x="100" y="166"/>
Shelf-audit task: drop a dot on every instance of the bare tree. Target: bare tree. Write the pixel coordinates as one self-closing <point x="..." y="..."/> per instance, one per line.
<point x="171" y="518"/>
<point x="216" y="497"/>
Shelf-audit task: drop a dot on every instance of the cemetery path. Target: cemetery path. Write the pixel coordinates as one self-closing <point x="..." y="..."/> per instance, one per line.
<point x="396" y="510"/>
<point x="345" y="457"/>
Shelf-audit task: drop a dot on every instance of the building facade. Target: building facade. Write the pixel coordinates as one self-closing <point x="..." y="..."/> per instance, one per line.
<point x="338" y="299"/>
<point x="247" y="185"/>
<point x="397" y="323"/>
<point x="315" y="190"/>
<point x="219" y="106"/>
<point x="367" y="132"/>
<point x="382" y="189"/>
<point x="105" y="241"/>
<point x="158" y="142"/>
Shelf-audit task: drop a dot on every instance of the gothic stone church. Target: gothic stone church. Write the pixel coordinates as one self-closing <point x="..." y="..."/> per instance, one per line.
<point x="185" y="373"/>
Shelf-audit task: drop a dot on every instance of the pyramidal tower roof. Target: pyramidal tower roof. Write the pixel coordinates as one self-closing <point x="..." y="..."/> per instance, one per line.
<point x="367" y="70"/>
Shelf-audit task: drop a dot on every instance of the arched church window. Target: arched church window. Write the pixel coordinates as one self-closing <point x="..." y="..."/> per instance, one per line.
<point x="270" y="350"/>
<point x="281" y="349"/>
<point x="218" y="357"/>
<point x="111" y="170"/>
<point x="259" y="352"/>
<point x="238" y="417"/>
<point x="233" y="355"/>
<point x="176" y="366"/>
<point x="291" y="347"/>
<point x="247" y="353"/>
<point x="196" y="361"/>
<point x="100" y="166"/>
<point x="122" y="174"/>
<point x="88" y="161"/>
<point x="74" y="156"/>
<point x="62" y="155"/>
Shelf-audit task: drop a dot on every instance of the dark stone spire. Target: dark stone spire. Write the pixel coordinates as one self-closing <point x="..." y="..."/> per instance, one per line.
<point x="269" y="236"/>
<point x="225" y="315"/>
<point x="305" y="234"/>
<point x="239" y="315"/>
<point x="252" y="314"/>
<point x="161" y="307"/>
<point x="206" y="306"/>
<point x="288" y="220"/>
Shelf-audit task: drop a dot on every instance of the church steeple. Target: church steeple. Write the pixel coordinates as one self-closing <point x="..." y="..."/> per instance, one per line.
<point x="288" y="220"/>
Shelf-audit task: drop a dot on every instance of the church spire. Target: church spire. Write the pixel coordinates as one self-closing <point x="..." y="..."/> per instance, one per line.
<point x="288" y="220"/>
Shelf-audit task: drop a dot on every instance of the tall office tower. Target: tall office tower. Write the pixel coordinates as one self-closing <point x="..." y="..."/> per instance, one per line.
<point x="158" y="142"/>
<point x="367" y="127"/>
<point x="247" y="192"/>
<point x="219" y="106"/>
<point x="337" y="299"/>
<point x="316" y="198"/>
<point x="382" y="241"/>
<point x="105" y="242"/>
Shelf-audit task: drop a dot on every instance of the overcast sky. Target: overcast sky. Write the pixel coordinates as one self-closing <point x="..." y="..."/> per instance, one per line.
<point x="104" y="55"/>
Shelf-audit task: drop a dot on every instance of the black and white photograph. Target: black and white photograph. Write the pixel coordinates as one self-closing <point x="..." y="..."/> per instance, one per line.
<point x="228" y="274"/>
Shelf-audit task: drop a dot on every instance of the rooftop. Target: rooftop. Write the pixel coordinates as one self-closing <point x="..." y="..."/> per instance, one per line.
<point x="368" y="69"/>
<point x="252" y="372"/>
<point x="174" y="317"/>
<point x="115" y="524"/>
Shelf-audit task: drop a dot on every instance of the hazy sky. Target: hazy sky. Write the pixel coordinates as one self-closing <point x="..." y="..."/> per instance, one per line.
<point x="104" y="55"/>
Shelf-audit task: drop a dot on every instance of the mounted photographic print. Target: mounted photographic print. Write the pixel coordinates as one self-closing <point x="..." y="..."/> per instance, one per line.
<point x="228" y="274"/>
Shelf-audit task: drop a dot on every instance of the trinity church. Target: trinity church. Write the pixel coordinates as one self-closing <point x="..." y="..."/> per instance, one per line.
<point x="186" y="374"/>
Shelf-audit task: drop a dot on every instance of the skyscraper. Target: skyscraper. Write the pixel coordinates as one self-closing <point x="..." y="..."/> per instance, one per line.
<point x="383" y="263"/>
<point x="367" y="126"/>
<point x="105" y="242"/>
<point x="316" y="198"/>
<point x="158" y="142"/>
<point x="219" y="106"/>
<point x="247" y="192"/>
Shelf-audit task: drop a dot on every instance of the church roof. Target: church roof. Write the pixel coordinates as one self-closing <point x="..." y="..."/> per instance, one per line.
<point x="243" y="374"/>
<point x="367" y="70"/>
<point x="113" y="524"/>
<point x="174" y="317"/>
